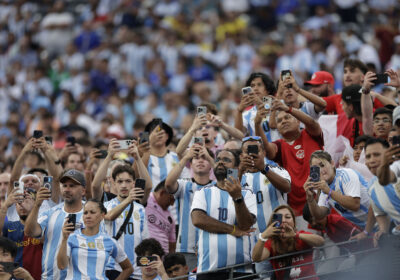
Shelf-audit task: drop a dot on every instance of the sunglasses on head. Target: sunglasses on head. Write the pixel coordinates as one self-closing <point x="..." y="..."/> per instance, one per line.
<point x="251" y="138"/>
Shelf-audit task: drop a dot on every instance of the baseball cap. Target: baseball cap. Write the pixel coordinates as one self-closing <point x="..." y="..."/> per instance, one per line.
<point x="321" y="77"/>
<point x="74" y="175"/>
<point x="351" y="93"/>
<point x="396" y="114"/>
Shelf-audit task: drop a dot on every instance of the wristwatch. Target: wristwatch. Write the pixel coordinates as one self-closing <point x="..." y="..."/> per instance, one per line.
<point x="238" y="200"/>
<point x="364" y="91"/>
<point x="265" y="170"/>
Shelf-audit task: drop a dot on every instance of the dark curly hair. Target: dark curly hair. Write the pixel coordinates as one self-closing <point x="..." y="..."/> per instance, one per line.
<point x="268" y="82"/>
<point x="149" y="247"/>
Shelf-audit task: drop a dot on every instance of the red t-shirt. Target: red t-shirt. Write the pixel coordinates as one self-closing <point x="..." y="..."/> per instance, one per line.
<point x="295" y="159"/>
<point x="307" y="257"/>
<point x="334" y="104"/>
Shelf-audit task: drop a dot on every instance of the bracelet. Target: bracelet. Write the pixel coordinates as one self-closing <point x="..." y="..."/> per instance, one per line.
<point x="329" y="196"/>
<point x="290" y="109"/>
<point x="234" y="229"/>
<point x="261" y="238"/>
<point x="366" y="232"/>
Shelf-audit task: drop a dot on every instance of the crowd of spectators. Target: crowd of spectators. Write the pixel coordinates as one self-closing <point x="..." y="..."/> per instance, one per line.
<point x="138" y="112"/>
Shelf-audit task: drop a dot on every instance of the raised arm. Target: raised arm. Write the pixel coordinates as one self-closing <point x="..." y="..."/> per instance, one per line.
<point x="270" y="148"/>
<point x="319" y="103"/>
<point x="243" y="216"/>
<point x="245" y="102"/>
<point x="185" y="140"/>
<point x="19" y="163"/>
<point x="366" y="103"/>
<point x="384" y="174"/>
<point x="32" y="227"/>
<point x="53" y="164"/>
<point x="232" y="131"/>
<point x="62" y="258"/>
<point x="317" y="211"/>
<point x="312" y="126"/>
<point x="171" y="180"/>
<point x="97" y="190"/>
<point x="142" y="172"/>
<point x="12" y="198"/>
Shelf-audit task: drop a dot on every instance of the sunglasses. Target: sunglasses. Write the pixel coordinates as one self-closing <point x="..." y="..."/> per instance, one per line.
<point x="251" y="138"/>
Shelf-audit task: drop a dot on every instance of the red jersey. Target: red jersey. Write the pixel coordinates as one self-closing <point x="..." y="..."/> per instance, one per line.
<point x="307" y="257"/>
<point x="347" y="127"/>
<point x="334" y="104"/>
<point x="295" y="159"/>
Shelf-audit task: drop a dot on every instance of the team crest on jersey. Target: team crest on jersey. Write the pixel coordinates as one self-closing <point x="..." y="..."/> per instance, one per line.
<point x="266" y="181"/>
<point x="136" y="216"/>
<point x="91" y="245"/>
<point x="297" y="147"/>
<point x="300" y="154"/>
<point x="100" y="245"/>
<point x="82" y="245"/>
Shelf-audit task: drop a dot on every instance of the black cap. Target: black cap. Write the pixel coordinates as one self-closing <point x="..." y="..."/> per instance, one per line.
<point x="74" y="175"/>
<point x="153" y="124"/>
<point x="351" y="94"/>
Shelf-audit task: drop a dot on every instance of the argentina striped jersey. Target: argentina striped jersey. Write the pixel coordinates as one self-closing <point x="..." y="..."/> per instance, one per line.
<point x="51" y="222"/>
<point x="220" y="250"/>
<point x="187" y="232"/>
<point x="159" y="167"/>
<point x="248" y="122"/>
<point x="385" y="199"/>
<point x="350" y="183"/>
<point x="267" y="196"/>
<point x="88" y="255"/>
<point x="136" y="230"/>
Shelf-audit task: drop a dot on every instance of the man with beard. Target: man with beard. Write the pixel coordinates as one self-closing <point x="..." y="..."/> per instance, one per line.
<point x="224" y="214"/>
<point x="201" y="162"/>
<point x="29" y="253"/>
<point x="49" y="224"/>
<point x="322" y="84"/>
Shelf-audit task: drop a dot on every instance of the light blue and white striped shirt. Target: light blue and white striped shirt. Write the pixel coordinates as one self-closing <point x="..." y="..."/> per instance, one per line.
<point x="159" y="167"/>
<point x="216" y="250"/>
<point x="51" y="222"/>
<point x="187" y="235"/>
<point x="267" y="196"/>
<point x="385" y="200"/>
<point x="88" y="255"/>
<point x="248" y="122"/>
<point x="136" y="230"/>
<point x="350" y="183"/>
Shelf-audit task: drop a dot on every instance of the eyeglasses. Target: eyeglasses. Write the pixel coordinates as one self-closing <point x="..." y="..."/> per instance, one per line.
<point x="224" y="159"/>
<point x="251" y="138"/>
<point x="384" y="120"/>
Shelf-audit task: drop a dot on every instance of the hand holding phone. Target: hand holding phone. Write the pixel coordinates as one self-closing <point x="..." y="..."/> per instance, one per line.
<point x="124" y="144"/>
<point x="314" y="173"/>
<point x="143" y="137"/>
<point x="246" y="90"/>
<point x="101" y="154"/>
<point x="48" y="182"/>
<point x="71" y="140"/>
<point x="201" y="110"/>
<point x="37" y="134"/>
<point x="276" y="217"/>
<point x="231" y="173"/>
<point x="72" y="219"/>
<point x="9" y="267"/>
<point x="145" y="260"/>
<point x="252" y="149"/>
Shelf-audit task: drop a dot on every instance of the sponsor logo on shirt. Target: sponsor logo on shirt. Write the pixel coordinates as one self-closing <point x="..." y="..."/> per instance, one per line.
<point x="29" y="241"/>
<point x="300" y="154"/>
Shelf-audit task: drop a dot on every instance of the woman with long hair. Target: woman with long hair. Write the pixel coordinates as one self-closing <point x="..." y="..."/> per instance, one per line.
<point x="281" y="237"/>
<point x="85" y="252"/>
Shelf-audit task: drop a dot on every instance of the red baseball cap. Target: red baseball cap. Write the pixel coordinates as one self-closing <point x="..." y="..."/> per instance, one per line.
<point x="321" y="77"/>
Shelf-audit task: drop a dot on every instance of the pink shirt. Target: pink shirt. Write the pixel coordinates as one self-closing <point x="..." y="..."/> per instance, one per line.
<point x="160" y="223"/>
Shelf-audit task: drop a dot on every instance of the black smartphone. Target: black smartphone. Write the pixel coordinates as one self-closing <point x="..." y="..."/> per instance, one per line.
<point x="381" y="79"/>
<point x="396" y="140"/>
<point x="72" y="219"/>
<point x="276" y="217"/>
<point x="48" y="182"/>
<point x="231" y="172"/>
<point x="143" y="137"/>
<point x="71" y="140"/>
<point x="252" y="149"/>
<point x="9" y="267"/>
<point x="37" y="134"/>
<point x="145" y="261"/>
<point x="101" y="154"/>
<point x="140" y="183"/>
<point x="314" y="173"/>
<point x="49" y="140"/>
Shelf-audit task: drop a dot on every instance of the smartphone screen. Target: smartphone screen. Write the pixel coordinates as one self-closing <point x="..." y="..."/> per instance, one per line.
<point x="145" y="261"/>
<point x="48" y="182"/>
<point x="277" y="218"/>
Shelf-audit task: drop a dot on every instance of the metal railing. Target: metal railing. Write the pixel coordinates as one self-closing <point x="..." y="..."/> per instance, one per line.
<point x="231" y="269"/>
